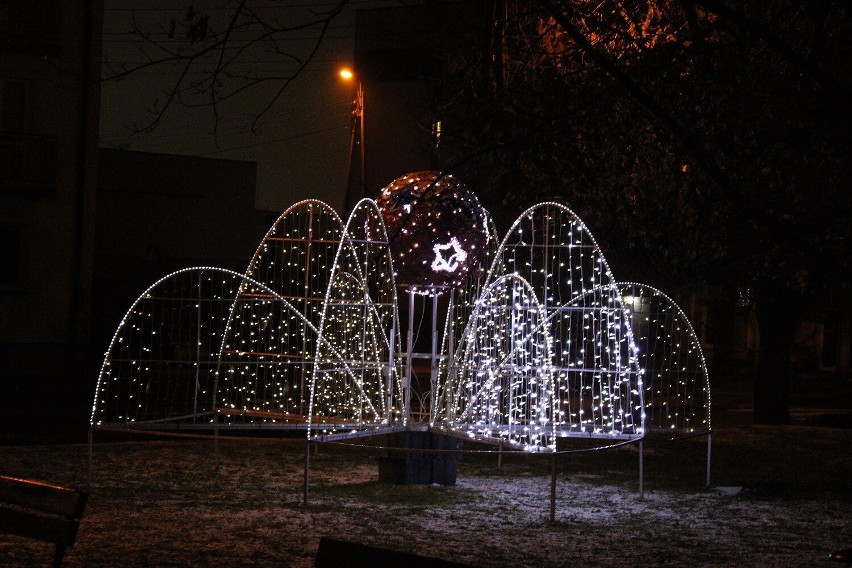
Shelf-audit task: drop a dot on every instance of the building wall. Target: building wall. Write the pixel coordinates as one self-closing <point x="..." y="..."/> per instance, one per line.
<point x="158" y="213"/>
<point x="49" y="68"/>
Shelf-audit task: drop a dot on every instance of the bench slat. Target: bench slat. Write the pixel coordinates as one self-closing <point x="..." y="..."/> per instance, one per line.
<point x="42" y="496"/>
<point x="41" y="511"/>
<point x="45" y="528"/>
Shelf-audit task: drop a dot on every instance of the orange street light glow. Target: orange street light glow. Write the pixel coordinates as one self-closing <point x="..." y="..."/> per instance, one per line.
<point x="346" y="74"/>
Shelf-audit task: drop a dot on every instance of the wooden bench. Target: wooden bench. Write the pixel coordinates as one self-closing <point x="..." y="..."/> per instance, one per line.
<point x="41" y="511"/>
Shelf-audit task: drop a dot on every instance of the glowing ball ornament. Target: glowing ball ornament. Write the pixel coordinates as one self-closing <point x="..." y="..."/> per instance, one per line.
<point x="437" y="228"/>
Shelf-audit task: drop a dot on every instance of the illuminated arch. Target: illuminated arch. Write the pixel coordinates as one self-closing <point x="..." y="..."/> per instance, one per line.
<point x="598" y="385"/>
<point x="677" y="384"/>
<point x="359" y="322"/>
<point x="161" y="365"/>
<point x="294" y="257"/>
<point x="504" y="384"/>
<point x="308" y="338"/>
<point x="209" y="348"/>
<point x="460" y="303"/>
<point x="268" y="354"/>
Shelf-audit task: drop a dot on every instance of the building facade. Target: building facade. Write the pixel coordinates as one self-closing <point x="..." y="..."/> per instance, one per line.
<point x="157" y="213"/>
<point x="49" y="109"/>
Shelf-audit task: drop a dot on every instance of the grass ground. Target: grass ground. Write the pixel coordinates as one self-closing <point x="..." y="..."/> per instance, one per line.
<point x="780" y="496"/>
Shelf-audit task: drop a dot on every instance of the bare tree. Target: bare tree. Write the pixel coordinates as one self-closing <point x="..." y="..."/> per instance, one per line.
<point x="707" y="141"/>
<point x="209" y="56"/>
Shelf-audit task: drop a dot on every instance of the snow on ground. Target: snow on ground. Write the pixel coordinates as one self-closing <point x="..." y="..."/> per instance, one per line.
<point x="182" y="503"/>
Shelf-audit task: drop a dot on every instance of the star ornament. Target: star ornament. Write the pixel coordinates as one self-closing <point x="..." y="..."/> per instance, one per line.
<point x="452" y="261"/>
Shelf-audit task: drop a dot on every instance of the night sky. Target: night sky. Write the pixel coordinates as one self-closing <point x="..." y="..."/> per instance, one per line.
<point x="300" y="144"/>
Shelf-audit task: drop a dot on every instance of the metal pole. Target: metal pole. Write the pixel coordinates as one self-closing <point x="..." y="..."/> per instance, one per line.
<point x="553" y="488"/>
<point x="434" y="354"/>
<point x="307" y="472"/>
<point x="449" y="380"/>
<point x="363" y="188"/>
<point x="309" y="251"/>
<point x="91" y="451"/>
<point x="215" y="429"/>
<point x="642" y="469"/>
<point x="512" y="419"/>
<point x="197" y="354"/>
<point x="709" y="437"/>
<point x="408" y="363"/>
<point x="352" y="193"/>
<point x="389" y="409"/>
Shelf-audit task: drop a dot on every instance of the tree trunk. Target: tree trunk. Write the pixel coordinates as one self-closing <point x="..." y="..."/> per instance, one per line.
<point x="777" y="312"/>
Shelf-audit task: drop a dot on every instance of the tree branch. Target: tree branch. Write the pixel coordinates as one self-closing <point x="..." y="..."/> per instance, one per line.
<point x="218" y="85"/>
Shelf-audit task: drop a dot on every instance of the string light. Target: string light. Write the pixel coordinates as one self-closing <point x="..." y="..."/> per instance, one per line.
<point x="541" y="345"/>
<point x="677" y="391"/>
<point x="438" y="228"/>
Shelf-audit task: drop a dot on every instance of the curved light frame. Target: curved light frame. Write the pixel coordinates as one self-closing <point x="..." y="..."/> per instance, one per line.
<point x="383" y="404"/>
<point x="626" y="417"/>
<point x="469" y="348"/>
<point x="693" y="336"/>
<point x="347" y="246"/>
<point x="245" y="280"/>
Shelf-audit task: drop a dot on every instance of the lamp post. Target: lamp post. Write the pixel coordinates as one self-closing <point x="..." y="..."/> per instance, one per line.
<point x="355" y="192"/>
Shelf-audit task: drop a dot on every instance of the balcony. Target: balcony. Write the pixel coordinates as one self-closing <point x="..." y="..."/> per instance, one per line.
<point x="27" y="165"/>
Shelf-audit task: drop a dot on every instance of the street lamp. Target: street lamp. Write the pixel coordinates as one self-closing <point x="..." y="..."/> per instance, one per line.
<point x="357" y="192"/>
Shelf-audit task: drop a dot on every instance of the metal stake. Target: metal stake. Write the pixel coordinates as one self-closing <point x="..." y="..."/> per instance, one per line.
<point x="307" y="472"/>
<point x="553" y="488"/>
<point x="641" y="469"/>
<point x="709" y="437"/>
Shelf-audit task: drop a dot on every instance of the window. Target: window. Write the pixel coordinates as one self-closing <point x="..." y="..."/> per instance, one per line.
<point x="436" y="132"/>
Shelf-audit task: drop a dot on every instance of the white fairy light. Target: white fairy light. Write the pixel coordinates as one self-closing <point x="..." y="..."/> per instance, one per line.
<point x="539" y="346"/>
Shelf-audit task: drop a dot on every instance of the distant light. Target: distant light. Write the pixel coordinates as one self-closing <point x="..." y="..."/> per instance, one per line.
<point x="346" y="74"/>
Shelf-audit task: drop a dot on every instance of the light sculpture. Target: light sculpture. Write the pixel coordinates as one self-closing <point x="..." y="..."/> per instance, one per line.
<point x="505" y="386"/>
<point x="541" y="345"/>
<point x="160" y="368"/>
<point x="359" y="318"/>
<point x="449" y="257"/>
<point x="268" y="365"/>
<point x="275" y="347"/>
